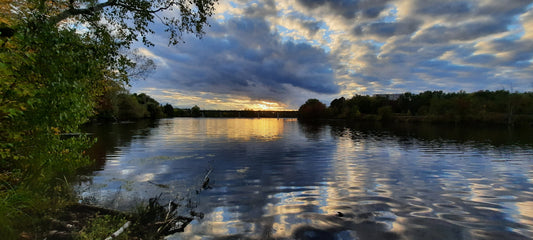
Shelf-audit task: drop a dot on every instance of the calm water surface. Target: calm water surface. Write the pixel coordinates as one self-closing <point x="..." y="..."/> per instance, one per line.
<point x="280" y="179"/>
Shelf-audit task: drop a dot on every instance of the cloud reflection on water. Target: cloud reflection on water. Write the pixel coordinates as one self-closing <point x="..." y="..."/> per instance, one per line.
<point x="281" y="179"/>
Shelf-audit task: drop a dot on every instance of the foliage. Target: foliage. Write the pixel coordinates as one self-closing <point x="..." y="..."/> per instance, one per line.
<point x="495" y="107"/>
<point x="129" y="108"/>
<point x="48" y="88"/>
<point x="385" y="113"/>
<point x="106" y="108"/>
<point x="168" y="110"/>
<point x="102" y="227"/>
<point x="57" y="60"/>
<point x="120" y="105"/>
<point x="195" y="111"/>
<point x="131" y="19"/>
<point x="153" y="107"/>
<point x="312" y="109"/>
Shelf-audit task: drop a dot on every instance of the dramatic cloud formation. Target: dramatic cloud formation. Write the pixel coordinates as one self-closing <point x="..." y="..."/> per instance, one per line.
<point x="270" y="54"/>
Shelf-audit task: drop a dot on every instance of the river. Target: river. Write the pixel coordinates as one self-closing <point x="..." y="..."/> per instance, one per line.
<point x="281" y="179"/>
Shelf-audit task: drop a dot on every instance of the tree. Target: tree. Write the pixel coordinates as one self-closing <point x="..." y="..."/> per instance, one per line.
<point x="195" y="111"/>
<point x="312" y="109"/>
<point x="337" y="107"/>
<point x="153" y="109"/>
<point x="130" y="19"/>
<point x="57" y="59"/>
<point x="385" y="113"/>
<point x="48" y="88"/>
<point x="129" y="108"/>
<point x="107" y="108"/>
<point x="168" y="110"/>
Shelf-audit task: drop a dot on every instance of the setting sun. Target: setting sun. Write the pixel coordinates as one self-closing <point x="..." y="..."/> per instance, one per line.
<point x="264" y="105"/>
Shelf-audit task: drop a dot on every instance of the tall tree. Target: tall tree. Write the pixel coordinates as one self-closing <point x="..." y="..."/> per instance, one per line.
<point x="312" y="109"/>
<point x="195" y="111"/>
<point x="56" y="59"/>
<point x="168" y="110"/>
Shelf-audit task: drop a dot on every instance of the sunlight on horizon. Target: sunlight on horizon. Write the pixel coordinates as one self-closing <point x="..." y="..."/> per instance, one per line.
<point x="212" y="101"/>
<point x="265" y="105"/>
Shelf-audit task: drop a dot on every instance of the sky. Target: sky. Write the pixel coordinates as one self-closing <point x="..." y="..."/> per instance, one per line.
<point x="276" y="54"/>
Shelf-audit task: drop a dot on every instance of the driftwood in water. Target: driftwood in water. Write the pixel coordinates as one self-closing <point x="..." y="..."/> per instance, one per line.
<point x="119" y="231"/>
<point x="160" y="220"/>
<point x="152" y="221"/>
<point x="156" y="219"/>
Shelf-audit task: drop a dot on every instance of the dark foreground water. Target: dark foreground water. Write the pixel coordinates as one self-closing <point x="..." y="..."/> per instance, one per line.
<point x="280" y="179"/>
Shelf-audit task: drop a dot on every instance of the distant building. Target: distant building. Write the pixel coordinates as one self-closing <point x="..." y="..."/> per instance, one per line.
<point x="392" y="97"/>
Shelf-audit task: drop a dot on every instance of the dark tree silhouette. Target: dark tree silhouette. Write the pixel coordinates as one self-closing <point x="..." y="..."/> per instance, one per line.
<point x="312" y="109"/>
<point x="195" y="111"/>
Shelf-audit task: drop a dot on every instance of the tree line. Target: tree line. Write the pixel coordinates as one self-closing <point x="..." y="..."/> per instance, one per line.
<point x="122" y="106"/>
<point x="492" y="107"/>
<point x="117" y="104"/>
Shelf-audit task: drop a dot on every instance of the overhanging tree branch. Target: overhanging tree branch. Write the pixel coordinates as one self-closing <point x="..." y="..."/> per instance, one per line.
<point x="132" y="17"/>
<point x="71" y="12"/>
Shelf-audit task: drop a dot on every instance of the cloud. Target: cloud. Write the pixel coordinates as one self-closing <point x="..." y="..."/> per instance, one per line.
<point x="286" y="51"/>
<point x="384" y="30"/>
<point x="443" y="8"/>
<point x="242" y="57"/>
<point x="261" y="10"/>
<point x="349" y="9"/>
<point x="464" y="32"/>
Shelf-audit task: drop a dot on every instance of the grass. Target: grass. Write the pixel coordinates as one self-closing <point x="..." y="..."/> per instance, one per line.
<point x="102" y="226"/>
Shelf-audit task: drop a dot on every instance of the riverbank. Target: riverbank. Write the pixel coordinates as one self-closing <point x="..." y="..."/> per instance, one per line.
<point x="481" y="107"/>
<point x="74" y="221"/>
<point x="149" y="219"/>
<point x="86" y="222"/>
<point x="522" y="120"/>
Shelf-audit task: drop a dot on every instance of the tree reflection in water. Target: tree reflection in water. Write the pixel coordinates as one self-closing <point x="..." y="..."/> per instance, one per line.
<point x="281" y="179"/>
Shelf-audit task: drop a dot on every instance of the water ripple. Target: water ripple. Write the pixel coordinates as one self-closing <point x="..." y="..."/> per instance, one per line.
<point x="278" y="179"/>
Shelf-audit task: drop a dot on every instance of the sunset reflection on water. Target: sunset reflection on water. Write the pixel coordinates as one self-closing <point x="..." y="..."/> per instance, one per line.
<point x="266" y="129"/>
<point x="278" y="178"/>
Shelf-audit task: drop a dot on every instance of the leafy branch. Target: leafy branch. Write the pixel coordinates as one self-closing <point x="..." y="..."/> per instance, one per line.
<point x="134" y="16"/>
